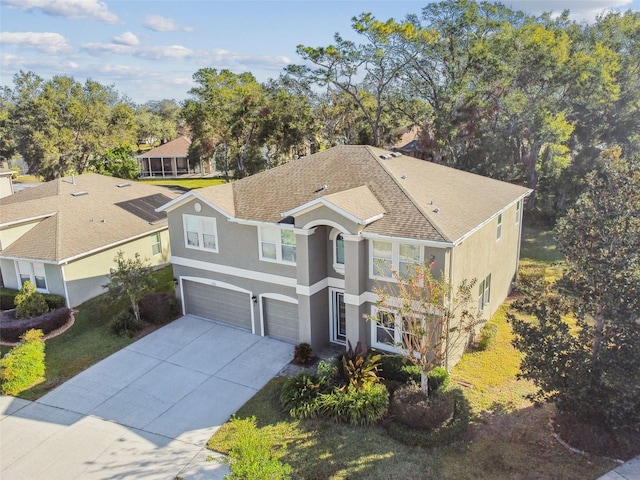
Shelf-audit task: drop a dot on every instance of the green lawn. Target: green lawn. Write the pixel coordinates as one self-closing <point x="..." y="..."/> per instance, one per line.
<point x="87" y="342"/>
<point x="186" y="183"/>
<point x="509" y="438"/>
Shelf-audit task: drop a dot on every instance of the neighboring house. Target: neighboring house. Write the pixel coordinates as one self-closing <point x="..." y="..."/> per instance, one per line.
<point x="6" y="183"/>
<point x="409" y="143"/>
<point x="64" y="234"/>
<point x="295" y="252"/>
<point x="170" y="160"/>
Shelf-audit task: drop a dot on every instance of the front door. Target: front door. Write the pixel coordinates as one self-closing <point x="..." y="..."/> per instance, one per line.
<point x="338" y="317"/>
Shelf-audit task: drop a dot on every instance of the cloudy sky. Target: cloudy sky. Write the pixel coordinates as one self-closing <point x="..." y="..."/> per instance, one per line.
<point x="149" y="49"/>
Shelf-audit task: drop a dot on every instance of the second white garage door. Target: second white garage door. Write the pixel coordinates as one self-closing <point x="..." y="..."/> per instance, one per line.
<point x="281" y="319"/>
<point x="216" y="303"/>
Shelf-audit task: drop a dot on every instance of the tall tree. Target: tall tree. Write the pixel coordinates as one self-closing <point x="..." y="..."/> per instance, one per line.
<point x="368" y="73"/>
<point x="224" y="109"/>
<point x="592" y="369"/>
<point x="62" y="124"/>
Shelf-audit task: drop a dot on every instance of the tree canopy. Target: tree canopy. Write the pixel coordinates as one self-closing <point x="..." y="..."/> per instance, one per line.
<point x="589" y="363"/>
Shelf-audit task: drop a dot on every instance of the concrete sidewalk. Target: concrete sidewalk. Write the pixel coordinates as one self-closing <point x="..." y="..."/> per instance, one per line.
<point x="628" y="471"/>
<point x="145" y="412"/>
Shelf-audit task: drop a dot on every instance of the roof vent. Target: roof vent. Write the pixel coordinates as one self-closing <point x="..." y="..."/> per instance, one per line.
<point x="80" y="193"/>
<point x="404" y="176"/>
<point x="436" y="210"/>
<point x="396" y="154"/>
<point x="321" y="189"/>
<point x="121" y="185"/>
<point x="384" y="156"/>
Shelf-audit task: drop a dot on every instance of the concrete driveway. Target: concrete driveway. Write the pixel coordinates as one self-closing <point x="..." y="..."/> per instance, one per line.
<point x="145" y="412"/>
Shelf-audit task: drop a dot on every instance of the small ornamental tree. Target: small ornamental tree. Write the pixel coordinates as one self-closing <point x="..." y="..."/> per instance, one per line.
<point x="29" y="302"/>
<point x="591" y="368"/>
<point x="131" y="279"/>
<point x="434" y="317"/>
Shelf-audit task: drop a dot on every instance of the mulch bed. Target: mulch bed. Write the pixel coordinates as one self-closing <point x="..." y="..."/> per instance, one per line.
<point x="8" y="319"/>
<point x="596" y="438"/>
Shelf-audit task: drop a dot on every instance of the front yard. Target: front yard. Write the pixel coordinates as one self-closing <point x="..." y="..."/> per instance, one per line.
<point x="508" y="438"/>
<point x="87" y="342"/>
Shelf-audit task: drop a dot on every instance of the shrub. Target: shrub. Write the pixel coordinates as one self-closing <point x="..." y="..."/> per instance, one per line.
<point x="488" y="336"/>
<point x="399" y="368"/>
<point x="125" y="324"/>
<point x="303" y="354"/>
<point x="24" y="364"/>
<point x="54" y="301"/>
<point x="252" y="455"/>
<point x="300" y="393"/>
<point x="7" y="298"/>
<point x="438" y="379"/>
<point x="448" y="432"/>
<point x="358" y="369"/>
<point x="531" y="279"/>
<point x="356" y="406"/>
<point x="29" y="302"/>
<point x="12" y="331"/>
<point x="416" y="410"/>
<point x="158" y="308"/>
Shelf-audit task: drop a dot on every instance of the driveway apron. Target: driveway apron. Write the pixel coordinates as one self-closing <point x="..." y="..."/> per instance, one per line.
<point x="145" y="412"/>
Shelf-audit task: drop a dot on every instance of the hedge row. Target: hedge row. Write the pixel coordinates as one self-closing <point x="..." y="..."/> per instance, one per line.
<point x="8" y="297"/>
<point x="12" y="331"/>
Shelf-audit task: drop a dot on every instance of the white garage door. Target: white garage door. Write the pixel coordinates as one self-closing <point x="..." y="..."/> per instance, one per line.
<point x="281" y="319"/>
<point x="218" y="303"/>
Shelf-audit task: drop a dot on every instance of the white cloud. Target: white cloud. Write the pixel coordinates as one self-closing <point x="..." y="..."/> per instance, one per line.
<point x="127" y="38"/>
<point x="169" y="52"/>
<point x="163" y="24"/>
<point x="47" y="42"/>
<point x="227" y="58"/>
<point x="578" y="9"/>
<point x="72" y="9"/>
<point x="50" y="65"/>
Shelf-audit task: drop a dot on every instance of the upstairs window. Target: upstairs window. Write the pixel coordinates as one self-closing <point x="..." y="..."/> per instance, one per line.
<point x="382" y="259"/>
<point x="277" y="245"/>
<point x="340" y="249"/>
<point x="388" y="257"/>
<point x="518" y="206"/>
<point x="200" y="233"/>
<point x="499" y="229"/>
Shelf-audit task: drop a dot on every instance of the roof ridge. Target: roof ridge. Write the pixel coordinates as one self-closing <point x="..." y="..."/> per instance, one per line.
<point x="411" y="199"/>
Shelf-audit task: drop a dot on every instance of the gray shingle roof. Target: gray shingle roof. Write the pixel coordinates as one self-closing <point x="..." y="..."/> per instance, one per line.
<point x="405" y="188"/>
<point x="75" y="225"/>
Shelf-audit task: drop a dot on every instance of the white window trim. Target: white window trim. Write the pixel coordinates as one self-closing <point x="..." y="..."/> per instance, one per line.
<point x="32" y="275"/>
<point x="395" y="258"/>
<point x="518" y="211"/>
<point x="333" y="237"/>
<point x="397" y="331"/>
<point x="499" y="228"/>
<point x="484" y="293"/>
<point x="200" y="232"/>
<point x="159" y="243"/>
<point x="278" y="258"/>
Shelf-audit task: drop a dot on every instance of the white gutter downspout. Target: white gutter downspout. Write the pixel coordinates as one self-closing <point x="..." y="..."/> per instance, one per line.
<point x="64" y="284"/>
<point x="446" y="353"/>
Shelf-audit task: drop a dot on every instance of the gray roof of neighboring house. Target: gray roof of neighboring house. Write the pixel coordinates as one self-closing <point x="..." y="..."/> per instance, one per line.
<point x="178" y="148"/>
<point x="74" y="225"/>
<point x="408" y="191"/>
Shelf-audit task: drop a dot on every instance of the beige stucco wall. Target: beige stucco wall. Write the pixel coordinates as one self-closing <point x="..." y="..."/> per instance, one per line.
<point x="6" y="186"/>
<point x="85" y="276"/>
<point x="8" y="235"/>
